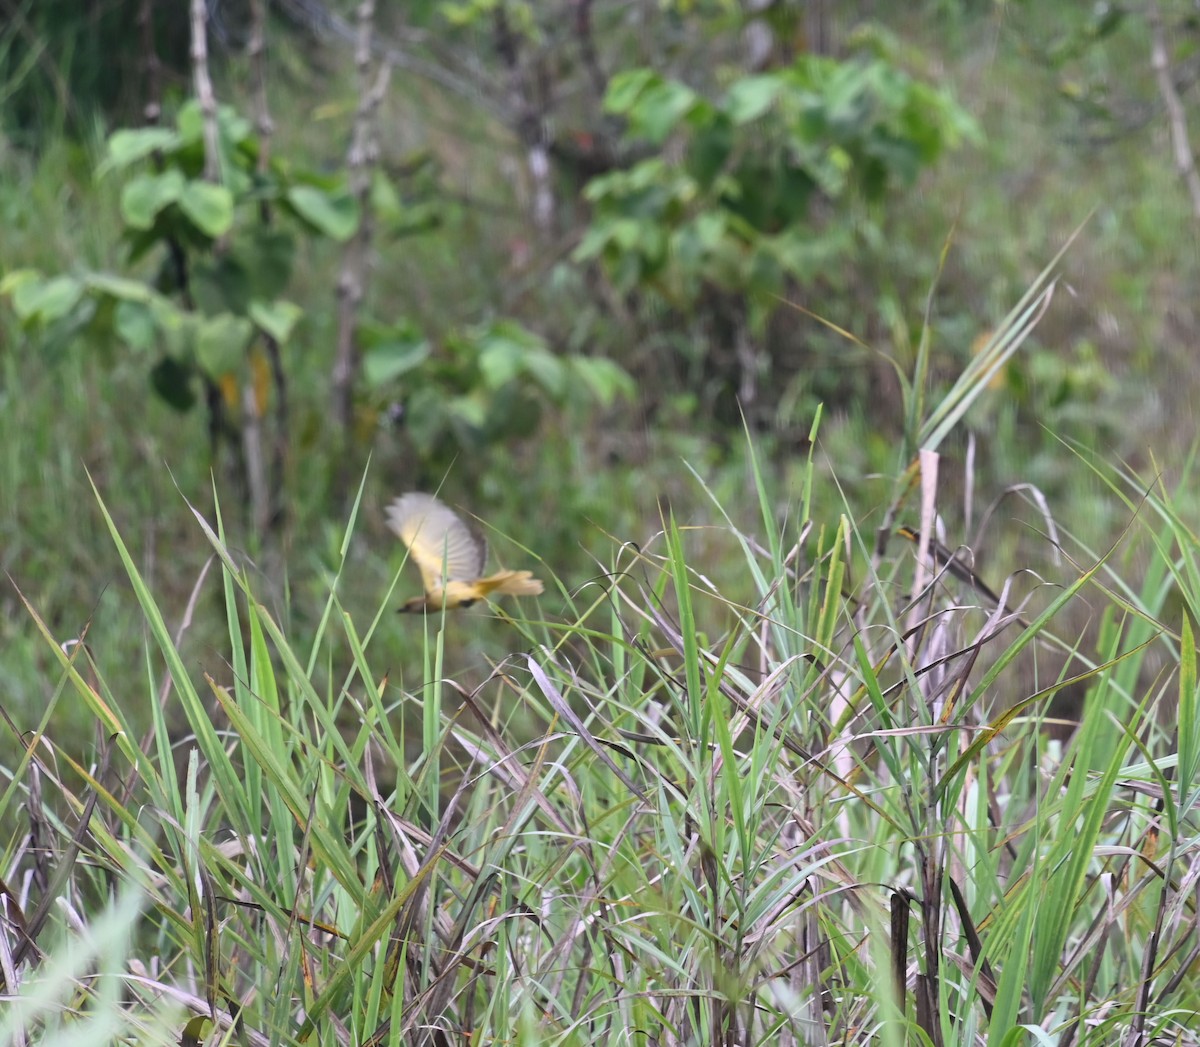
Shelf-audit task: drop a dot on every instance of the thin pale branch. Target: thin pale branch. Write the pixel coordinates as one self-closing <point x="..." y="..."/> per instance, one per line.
<point x="361" y="159"/>
<point x="204" y="90"/>
<point x="1185" y="160"/>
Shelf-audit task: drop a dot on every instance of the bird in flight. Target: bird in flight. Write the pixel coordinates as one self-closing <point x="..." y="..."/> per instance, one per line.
<point x="450" y="556"/>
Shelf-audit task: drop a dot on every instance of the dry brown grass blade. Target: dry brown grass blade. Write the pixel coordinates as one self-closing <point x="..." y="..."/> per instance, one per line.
<point x="975" y="945"/>
<point x="901" y="899"/>
<point x="64" y="868"/>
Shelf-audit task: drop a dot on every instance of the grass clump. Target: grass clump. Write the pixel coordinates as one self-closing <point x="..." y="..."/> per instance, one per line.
<point x="829" y="800"/>
<point x="824" y="809"/>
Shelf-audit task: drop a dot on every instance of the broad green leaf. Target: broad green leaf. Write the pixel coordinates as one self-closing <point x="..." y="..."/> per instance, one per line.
<point x="749" y="98"/>
<point x="146" y="195"/>
<point x="134" y="324"/>
<point x="277" y="318"/>
<point x="190" y="122"/>
<point x="512" y="331"/>
<point x="18" y="278"/>
<point x="333" y="214"/>
<point x="169" y="318"/>
<point x="660" y="108"/>
<point x="234" y="128"/>
<point x="594" y="241"/>
<point x="221" y="343"/>
<point x="548" y="370"/>
<point x="120" y="287"/>
<point x="625" y="88"/>
<point x="387" y="361"/>
<point x="179" y="329"/>
<point x="500" y="362"/>
<point x="604" y="379"/>
<point x="209" y="206"/>
<point x="127" y="146"/>
<point x="47" y="300"/>
<point x="467" y="409"/>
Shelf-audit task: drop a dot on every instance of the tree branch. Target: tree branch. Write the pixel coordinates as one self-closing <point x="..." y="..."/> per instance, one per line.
<point x="1185" y="160"/>
<point x="204" y="91"/>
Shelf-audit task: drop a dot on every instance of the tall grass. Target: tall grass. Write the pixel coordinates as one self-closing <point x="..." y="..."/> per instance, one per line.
<point x="824" y="807"/>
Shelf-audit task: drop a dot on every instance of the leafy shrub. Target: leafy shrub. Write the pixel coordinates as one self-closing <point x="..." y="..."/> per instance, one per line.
<point x="750" y="193"/>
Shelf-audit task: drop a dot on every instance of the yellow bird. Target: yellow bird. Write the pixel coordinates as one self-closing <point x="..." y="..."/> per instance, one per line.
<point x="450" y="557"/>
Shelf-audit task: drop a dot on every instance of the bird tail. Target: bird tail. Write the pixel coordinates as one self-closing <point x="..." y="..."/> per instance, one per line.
<point x="510" y="583"/>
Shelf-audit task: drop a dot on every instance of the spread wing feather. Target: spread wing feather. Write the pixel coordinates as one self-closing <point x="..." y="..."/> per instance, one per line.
<point x="441" y="544"/>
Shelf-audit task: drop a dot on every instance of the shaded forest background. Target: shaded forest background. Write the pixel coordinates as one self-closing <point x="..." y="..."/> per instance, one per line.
<point x="561" y="260"/>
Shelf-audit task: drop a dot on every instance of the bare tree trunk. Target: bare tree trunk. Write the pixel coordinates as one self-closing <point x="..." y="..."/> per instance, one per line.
<point x="257" y="52"/>
<point x="361" y="159"/>
<point x="530" y="121"/>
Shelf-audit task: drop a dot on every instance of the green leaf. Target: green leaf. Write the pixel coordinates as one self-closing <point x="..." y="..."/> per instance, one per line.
<point x="127" y="147"/>
<point x="504" y="349"/>
<point x="146" y="195"/>
<point x="173" y="323"/>
<point x="190" y="122"/>
<point x="221" y="343"/>
<point x="120" y="287"/>
<point x="332" y="214"/>
<point x="710" y="148"/>
<point x="209" y="206"/>
<point x="604" y="379"/>
<point x="385" y="201"/>
<point x="500" y="362"/>
<point x="233" y="127"/>
<point x="387" y="361"/>
<point x="17" y="278"/>
<point x="548" y="371"/>
<point x="179" y="329"/>
<point x="624" y="89"/>
<point x="221" y="284"/>
<point x="1189" y="725"/>
<point x="594" y="241"/>
<point x="47" y="300"/>
<point x="467" y="410"/>
<point x="266" y="256"/>
<point x="751" y="97"/>
<point x="135" y="325"/>
<point x="660" y="108"/>
<point x="278" y="318"/>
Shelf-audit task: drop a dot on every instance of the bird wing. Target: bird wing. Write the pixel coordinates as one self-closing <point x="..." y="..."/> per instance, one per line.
<point x="442" y="545"/>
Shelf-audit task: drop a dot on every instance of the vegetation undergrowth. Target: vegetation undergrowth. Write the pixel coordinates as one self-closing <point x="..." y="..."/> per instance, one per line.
<point x="832" y="806"/>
